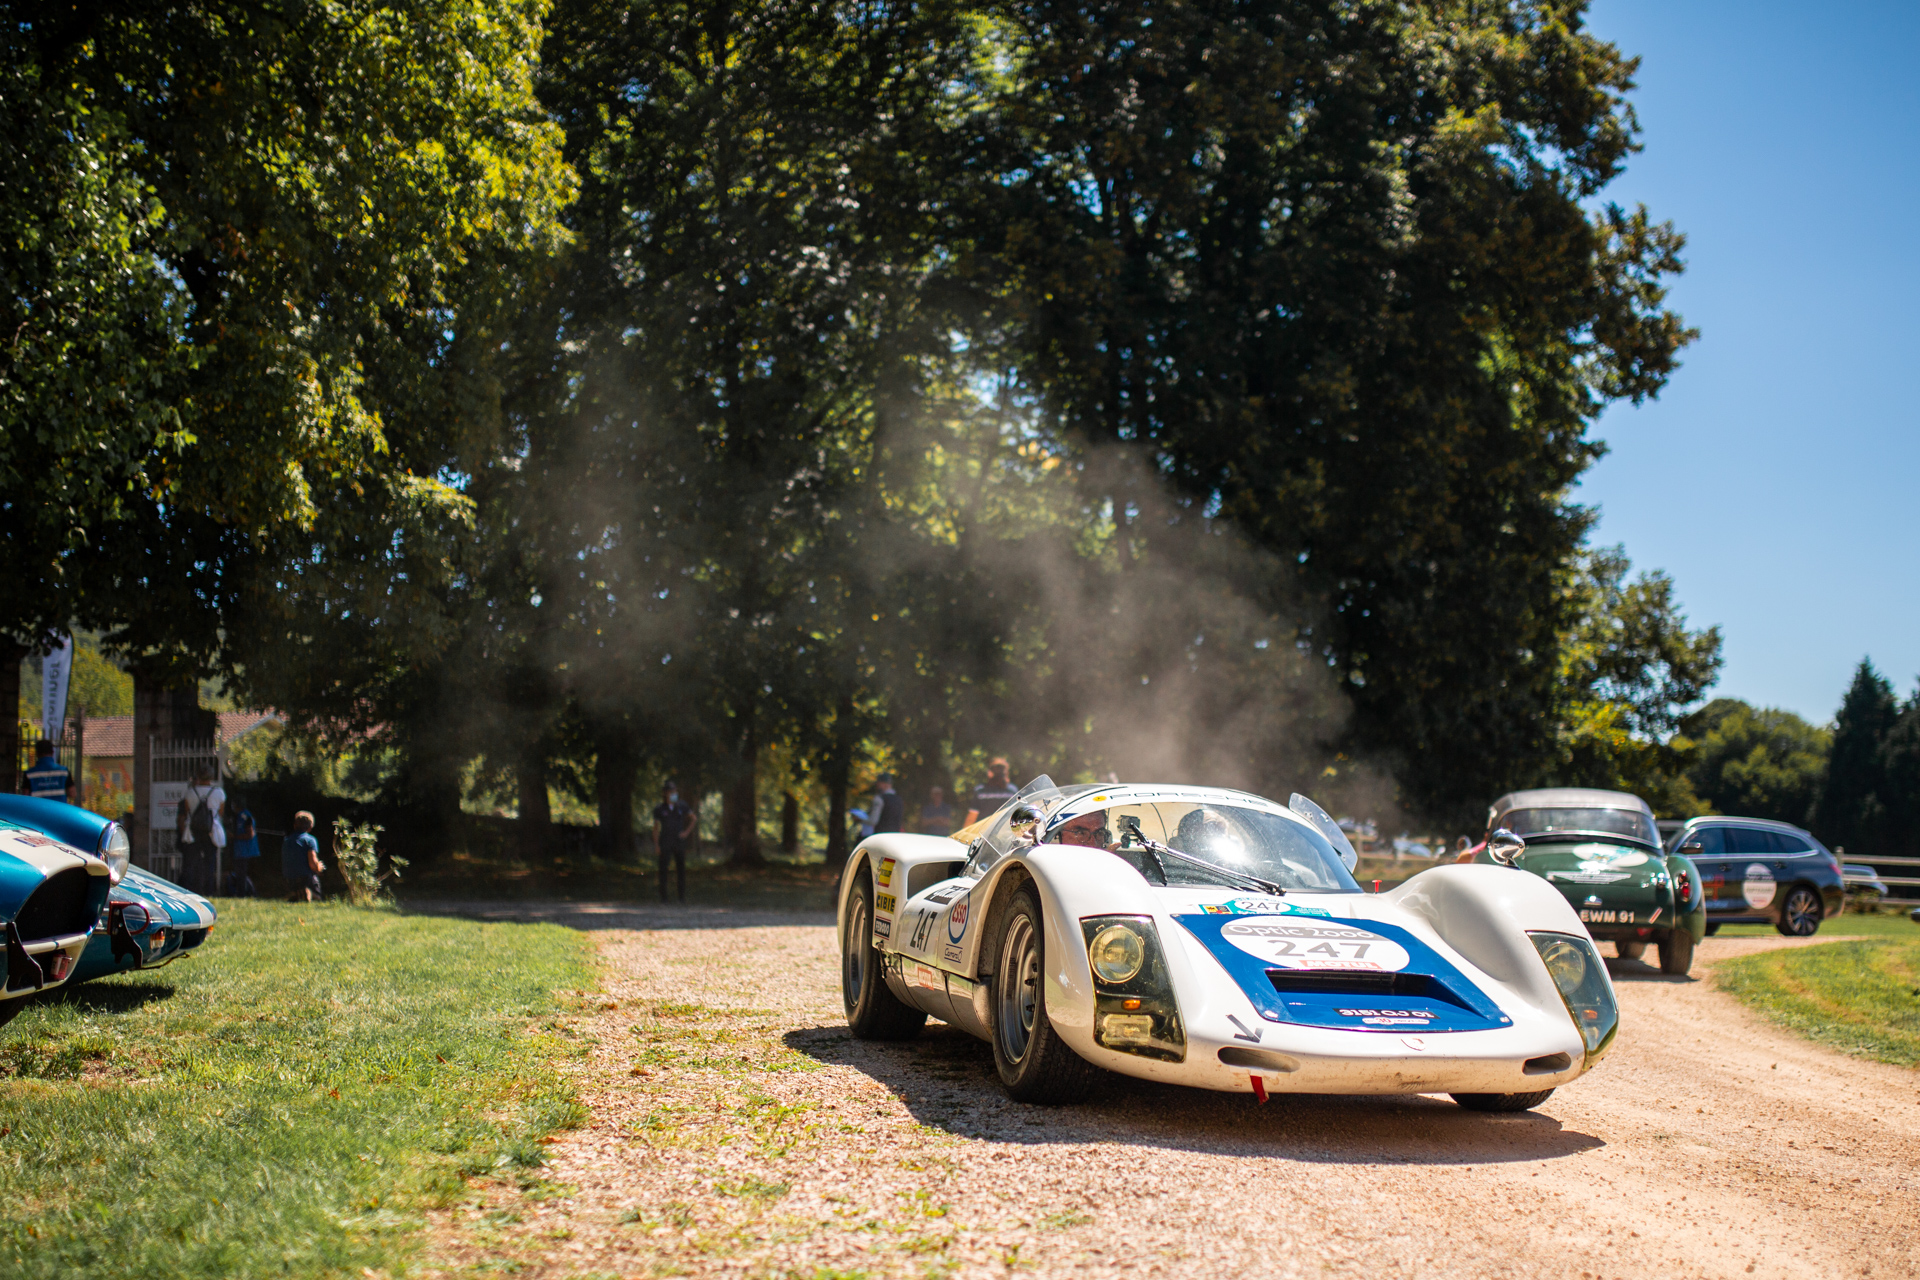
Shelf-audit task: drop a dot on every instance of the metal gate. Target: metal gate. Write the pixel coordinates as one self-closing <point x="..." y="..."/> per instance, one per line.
<point x="173" y="765"/>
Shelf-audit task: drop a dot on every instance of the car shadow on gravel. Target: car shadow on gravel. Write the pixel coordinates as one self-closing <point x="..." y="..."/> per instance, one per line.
<point x="946" y="1080"/>
<point x="1640" y="971"/>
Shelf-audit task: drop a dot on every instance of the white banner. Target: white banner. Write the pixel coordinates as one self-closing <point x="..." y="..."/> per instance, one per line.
<point x="55" y="671"/>
<point x="165" y="806"/>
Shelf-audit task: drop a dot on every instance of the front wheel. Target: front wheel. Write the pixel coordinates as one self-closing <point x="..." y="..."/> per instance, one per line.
<point x="1801" y="913"/>
<point x="1676" y="953"/>
<point x="1630" y="950"/>
<point x="1713" y="927"/>
<point x="873" y="1011"/>
<point x="1502" y="1101"/>
<point x="1034" y="1063"/>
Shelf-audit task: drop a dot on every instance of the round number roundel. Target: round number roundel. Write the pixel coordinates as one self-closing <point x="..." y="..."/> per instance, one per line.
<point x="1292" y="943"/>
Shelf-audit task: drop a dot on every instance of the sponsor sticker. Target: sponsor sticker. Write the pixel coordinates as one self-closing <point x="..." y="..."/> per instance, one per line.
<point x="946" y="895"/>
<point x="1290" y="944"/>
<point x="883" y="902"/>
<point x="1757" y="886"/>
<point x="1267" y="907"/>
<point x="883" y="928"/>
<point x="951" y="955"/>
<point x="1391" y="1017"/>
<point x="957" y="919"/>
<point x="886" y="872"/>
<point x="1216" y="908"/>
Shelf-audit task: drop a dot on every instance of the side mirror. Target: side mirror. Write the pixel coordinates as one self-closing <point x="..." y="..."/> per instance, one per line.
<point x="1026" y="821"/>
<point x="1504" y="847"/>
<point x="1692" y="848"/>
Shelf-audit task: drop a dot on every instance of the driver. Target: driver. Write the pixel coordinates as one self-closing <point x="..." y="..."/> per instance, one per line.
<point x="1089" y="831"/>
<point x="1206" y="834"/>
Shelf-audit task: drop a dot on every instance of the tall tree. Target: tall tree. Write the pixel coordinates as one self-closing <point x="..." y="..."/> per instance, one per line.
<point x="1342" y="269"/>
<point x="1759" y="762"/>
<point x="1853" y="808"/>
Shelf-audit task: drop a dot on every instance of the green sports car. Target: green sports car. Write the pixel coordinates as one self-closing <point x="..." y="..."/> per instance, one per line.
<point x="1601" y="850"/>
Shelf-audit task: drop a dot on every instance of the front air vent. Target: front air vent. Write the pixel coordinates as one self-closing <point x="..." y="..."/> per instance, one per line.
<point x="1552" y="1064"/>
<point x="1342" y="982"/>
<point x="58" y="908"/>
<point x="1258" y="1059"/>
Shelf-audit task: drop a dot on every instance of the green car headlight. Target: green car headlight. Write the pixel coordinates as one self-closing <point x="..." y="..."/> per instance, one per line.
<point x="1580" y="976"/>
<point x="1117" y="953"/>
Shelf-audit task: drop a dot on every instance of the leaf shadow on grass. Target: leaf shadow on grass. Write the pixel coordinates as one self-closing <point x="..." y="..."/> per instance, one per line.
<point x="946" y="1080"/>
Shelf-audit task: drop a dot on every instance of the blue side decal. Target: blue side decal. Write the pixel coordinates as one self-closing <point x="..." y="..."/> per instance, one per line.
<point x="1428" y="994"/>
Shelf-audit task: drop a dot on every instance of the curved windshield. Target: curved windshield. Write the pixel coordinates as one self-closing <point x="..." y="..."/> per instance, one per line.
<point x="1276" y="848"/>
<point x="1534" y="823"/>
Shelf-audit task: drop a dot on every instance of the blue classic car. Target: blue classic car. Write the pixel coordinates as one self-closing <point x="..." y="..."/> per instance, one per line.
<point x="145" y="921"/>
<point x="52" y="894"/>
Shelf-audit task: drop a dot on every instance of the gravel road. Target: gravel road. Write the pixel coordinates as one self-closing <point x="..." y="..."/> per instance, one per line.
<point x="736" y="1130"/>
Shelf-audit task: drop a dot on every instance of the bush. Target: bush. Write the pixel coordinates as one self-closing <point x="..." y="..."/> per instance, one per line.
<point x="355" y="848"/>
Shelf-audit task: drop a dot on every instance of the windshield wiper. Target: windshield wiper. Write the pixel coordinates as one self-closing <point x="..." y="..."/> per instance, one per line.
<point x="1135" y="839"/>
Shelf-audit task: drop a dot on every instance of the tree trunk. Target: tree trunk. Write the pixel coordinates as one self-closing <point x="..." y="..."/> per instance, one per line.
<point x="536" y="813"/>
<point x="614" y="775"/>
<point x="839" y="770"/>
<point x="740" y="802"/>
<point x="11" y="656"/>
<point x="789" y="824"/>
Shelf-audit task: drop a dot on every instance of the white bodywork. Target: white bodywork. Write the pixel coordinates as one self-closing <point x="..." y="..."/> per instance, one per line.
<point x="934" y="903"/>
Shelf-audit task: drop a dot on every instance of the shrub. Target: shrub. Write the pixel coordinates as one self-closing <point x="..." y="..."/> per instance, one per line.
<point x="354" y="846"/>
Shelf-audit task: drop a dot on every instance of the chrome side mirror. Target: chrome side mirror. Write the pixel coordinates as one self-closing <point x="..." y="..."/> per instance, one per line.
<point x="1026" y="822"/>
<point x="1504" y="847"/>
<point x="1692" y="848"/>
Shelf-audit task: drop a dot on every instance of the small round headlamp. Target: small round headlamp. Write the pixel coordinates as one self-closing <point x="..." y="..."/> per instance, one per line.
<point x="1566" y="963"/>
<point x="1117" y="953"/>
<point x="115" y="850"/>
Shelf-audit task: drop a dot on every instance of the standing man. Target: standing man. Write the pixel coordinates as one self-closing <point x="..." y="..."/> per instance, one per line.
<point x="48" y="779"/>
<point x="200" y="831"/>
<point x="673" y="825"/>
<point x="936" y="815"/>
<point x="889" y="809"/>
<point x="994" y="793"/>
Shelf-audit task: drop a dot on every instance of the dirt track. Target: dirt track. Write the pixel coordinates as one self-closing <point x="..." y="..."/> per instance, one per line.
<point x="737" y="1130"/>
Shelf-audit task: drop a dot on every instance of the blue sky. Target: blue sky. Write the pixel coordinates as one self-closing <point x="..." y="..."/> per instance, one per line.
<point x="1775" y="478"/>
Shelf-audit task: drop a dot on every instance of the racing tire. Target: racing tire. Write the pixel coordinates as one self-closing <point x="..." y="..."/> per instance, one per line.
<point x="1676" y="953"/>
<point x="873" y="1011"/>
<point x="1801" y="913"/>
<point x="1502" y="1101"/>
<point x="1035" y="1064"/>
<point x="1630" y="950"/>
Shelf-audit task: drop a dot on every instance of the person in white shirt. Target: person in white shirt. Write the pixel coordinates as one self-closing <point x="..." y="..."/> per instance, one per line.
<point x="201" y="829"/>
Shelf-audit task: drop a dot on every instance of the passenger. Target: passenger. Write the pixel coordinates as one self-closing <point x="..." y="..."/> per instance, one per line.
<point x="1206" y="834"/>
<point x="1089" y="831"/>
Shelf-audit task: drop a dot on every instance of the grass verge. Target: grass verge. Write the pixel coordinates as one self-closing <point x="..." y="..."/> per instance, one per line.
<point x="287" y="1100"/>
<point x="1852" y="925"/>
<point x="1862" y="998"/>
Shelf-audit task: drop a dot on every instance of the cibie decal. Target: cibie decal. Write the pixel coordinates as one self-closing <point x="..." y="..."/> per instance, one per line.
<point x="1287" y="944"/>
<point x="885" y="877"/>
<point x="1758" y="887"/>
<point x="883" y="902"/>
<point x="957" y="920"/>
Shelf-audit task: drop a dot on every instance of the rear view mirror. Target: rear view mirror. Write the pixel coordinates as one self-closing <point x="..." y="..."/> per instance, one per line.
<point x="1026" y="820"/>
<point x="1504" y="847"/>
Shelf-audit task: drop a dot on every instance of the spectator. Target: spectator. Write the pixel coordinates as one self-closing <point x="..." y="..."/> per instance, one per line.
<point x="246" y="848"/>
<point x="673" y="825"/>
<point x="300" y="860"/>
<point x="889" y="810"/>
<point x="200" y="831"/>
<point x="48" y="779"/>
<point x="994" y="793"/>
<point x="936" y="815"/>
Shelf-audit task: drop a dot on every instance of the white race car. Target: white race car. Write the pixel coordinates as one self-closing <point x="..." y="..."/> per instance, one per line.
<point x="1214" y="938"/>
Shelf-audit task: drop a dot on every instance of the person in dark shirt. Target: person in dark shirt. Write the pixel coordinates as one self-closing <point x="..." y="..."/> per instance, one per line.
<point x="936" y="815"/>
<point x="48" y="779"/>
<point x="673" y="825"/>
<point x="994" y="793"/>
<point x="889" y="810"/>
<point x="300" y="861"/>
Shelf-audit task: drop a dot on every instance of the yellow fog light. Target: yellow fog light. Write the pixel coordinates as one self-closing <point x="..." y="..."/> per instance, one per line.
<point x="1116" y="953"/>
<point x="1127" y="1028"/>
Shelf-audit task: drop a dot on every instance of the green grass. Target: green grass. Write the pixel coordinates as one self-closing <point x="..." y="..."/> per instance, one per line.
<point x="1851" y="925"/>
<point x="287" y="1100"/>
<point x="1862" y="998"/>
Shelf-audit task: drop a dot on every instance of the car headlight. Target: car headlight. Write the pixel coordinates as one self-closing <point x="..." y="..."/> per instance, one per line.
<point x="1580" y="976"/>
<point x="115" y="850"/>
<point x="1134" y="1009"/>
<point x="1117" y="953"/>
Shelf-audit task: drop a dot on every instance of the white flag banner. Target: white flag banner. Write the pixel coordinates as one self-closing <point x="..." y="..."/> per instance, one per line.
<point x="55" y="671"/>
